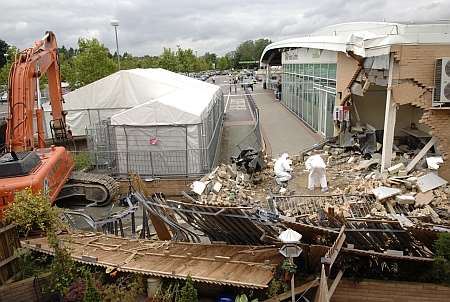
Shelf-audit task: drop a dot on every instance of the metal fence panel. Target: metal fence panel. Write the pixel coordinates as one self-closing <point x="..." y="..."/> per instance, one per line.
<point x="158" y="151"/>
<point x="253" y="139"/>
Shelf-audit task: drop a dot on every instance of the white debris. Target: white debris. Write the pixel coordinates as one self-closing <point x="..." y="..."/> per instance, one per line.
<point x="405" y="199"/>
<point x="394" y="169"/>
<point x="217" y="186"/>
<point x="198" y="187"/>
<point x="429" y="182"/>
<point x="434" y="162"/>
<point x="385" y="192"/>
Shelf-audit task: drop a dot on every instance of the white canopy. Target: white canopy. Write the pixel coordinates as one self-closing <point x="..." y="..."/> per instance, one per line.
<point x="366" y="39"/>
<point x="158" y="97"/>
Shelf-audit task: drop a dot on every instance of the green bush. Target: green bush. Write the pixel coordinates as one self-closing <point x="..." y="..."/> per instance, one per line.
<point x="276" y="287"/>
<point x="33" y="211"/>
<point x="82" y="160"/>
<point x="125" y="289"/>
<point x="441" y="264"/>
<point x="62" y="270"/>
<point x="91" y="294"/>
<point x="188" y="292"/>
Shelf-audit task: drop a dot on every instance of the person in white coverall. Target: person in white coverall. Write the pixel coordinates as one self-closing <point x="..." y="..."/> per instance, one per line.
<point x="316" y="167"/>
<point x="282" y="169"/>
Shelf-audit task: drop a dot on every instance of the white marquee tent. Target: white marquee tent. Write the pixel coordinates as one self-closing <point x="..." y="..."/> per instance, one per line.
<point x="162" y="122"/>
<point x="121" y="91"/>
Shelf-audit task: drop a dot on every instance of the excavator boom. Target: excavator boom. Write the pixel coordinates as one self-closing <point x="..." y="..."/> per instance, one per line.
<point x="29" y="66"/>
<point x="43" y="169"/>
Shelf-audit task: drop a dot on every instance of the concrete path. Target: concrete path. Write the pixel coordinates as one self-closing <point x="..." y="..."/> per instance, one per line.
<point x="239" y="120"/>
<point x="283" y="131"/>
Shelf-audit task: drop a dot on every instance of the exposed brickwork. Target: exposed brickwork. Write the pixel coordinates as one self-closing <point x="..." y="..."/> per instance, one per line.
<point x="439" y="122"/>
<point x="410" y="93"/>
<point x="346" y="68"/>
<point x="389" y="291"/>
<point x="418" y="61"/>
<point x="414" y="70"/>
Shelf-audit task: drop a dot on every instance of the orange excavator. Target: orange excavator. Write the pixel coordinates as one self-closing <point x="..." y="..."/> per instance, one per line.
<point x="43" y="169"/>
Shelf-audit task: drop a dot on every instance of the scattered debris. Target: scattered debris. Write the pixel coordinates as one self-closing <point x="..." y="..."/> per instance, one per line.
<point x="385" y="192"/>
<point x="430" y="181"/>
<point x="434" y="162"/>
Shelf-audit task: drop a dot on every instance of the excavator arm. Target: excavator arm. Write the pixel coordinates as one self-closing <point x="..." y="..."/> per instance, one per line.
<point x="29" y="66"/>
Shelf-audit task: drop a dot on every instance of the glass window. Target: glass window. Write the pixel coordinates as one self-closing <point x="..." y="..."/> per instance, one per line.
<point x="324" y="70"/>
<point x="332" y="71"/>
<point x="316" y="70"/>
<point x="331" y="99"/>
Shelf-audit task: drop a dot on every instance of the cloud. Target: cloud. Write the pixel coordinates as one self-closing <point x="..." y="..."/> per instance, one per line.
<point x="203" y="25"/>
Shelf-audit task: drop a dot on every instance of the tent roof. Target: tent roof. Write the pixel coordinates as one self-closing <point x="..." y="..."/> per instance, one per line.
<point x="365" y="39"/>
<point x="181" y="107"/>
<point x="129" y="88"/>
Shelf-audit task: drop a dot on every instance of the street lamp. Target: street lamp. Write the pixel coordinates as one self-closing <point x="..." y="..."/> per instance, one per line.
<point x="115" y="23"/>
<point x="290" y="249"/>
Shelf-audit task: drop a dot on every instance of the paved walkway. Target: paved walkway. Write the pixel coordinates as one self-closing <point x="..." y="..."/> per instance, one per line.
<point x="283" y="131"/>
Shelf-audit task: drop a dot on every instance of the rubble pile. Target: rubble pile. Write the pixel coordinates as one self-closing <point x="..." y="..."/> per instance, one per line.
<point x="227" y="186"/>
<point x="419" y="193"/>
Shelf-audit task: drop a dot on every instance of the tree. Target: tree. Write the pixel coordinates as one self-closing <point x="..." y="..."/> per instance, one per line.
<point x="168" y="60"/>
<point x="92" y="63"/>
<point x="185" y="60"/>
<point x="4" y="71"/>
<point x="3" y="50"/>
<point x="260" y="44"/>
<point x="249" y="51"/>
<point x="223" y="63"/>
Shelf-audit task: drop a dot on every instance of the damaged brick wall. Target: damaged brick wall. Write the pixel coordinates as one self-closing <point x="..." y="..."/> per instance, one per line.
<point x="389" y="291"/>
<point x="413" y="78"/>
<point x="347" y="69"/>
<point x="439" y="122"/>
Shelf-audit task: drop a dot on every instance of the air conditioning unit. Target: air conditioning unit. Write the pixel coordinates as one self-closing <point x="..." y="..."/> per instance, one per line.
<point x="441" y="96"/>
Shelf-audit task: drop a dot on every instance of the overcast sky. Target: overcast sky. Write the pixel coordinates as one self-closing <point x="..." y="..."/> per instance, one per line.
<point x="146" y="26"/>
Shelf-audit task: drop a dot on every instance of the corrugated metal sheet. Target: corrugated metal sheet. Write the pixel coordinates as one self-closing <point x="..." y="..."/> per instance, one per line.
<point x="236" y="265"/>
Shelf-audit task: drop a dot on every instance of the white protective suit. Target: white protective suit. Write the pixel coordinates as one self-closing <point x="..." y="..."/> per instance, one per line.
<point x="316" y="167"/>
<point x="282" y="169"/>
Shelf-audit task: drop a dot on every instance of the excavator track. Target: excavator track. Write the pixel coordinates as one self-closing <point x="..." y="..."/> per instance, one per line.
<point x="88" y="188"/>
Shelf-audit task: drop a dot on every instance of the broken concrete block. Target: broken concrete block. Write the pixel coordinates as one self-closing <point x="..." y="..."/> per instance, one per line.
<point x="429" y="182"/>
<point x="366" y="164"/>
<point x="402" y="173"/>
<point x="434" y="216"/>
<point x="223" y="174"/>
<point x="405" y="199"/>
<point x="217" y="186"/>
<point x="385" y="192"/>
<point x="198" y="187"/>
<point x="423" y="199"/>
<point x="434" y="162"/>
<point x="351" y="160"/>
<point x="394" y="169"/>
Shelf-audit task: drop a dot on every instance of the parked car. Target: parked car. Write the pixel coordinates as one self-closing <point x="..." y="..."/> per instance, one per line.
<point x="4" y="97"/>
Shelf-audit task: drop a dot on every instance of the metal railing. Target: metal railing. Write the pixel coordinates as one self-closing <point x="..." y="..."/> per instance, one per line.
<point x="253" y="139"/>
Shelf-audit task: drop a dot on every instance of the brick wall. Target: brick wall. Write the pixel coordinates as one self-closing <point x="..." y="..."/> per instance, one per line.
<point x="414" y="80"/>
<point x="389" y="291"/>
<point x="346" y="68"/>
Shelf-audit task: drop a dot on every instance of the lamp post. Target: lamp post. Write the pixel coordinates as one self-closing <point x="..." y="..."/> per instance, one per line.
<point x="290" y="249"/>
<point x="115" y="23"/>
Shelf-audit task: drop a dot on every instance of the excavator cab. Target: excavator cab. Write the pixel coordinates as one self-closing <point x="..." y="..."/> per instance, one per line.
<point x="18" y="164"/>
